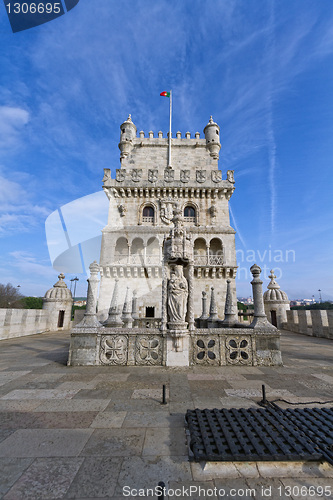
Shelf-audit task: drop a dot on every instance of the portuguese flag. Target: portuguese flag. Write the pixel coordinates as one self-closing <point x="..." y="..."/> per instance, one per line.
<point x="165" y="94"/>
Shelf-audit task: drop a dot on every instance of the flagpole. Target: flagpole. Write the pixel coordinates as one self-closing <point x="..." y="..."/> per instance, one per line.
<point x="169" y="163"/>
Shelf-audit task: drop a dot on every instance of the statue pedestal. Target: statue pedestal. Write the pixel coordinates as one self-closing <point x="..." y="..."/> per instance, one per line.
<point x="178" y="357"/>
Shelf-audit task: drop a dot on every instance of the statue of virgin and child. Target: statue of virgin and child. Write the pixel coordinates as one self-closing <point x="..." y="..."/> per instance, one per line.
<point x="177" y="295"/>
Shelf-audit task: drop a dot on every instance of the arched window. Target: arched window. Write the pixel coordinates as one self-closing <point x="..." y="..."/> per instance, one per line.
<point x="121" y="251"/>
<point x="148" y="215"/>
<point x="189" y="214"/>
<point x="216" y="252"/>
<point x="200" y="252"/>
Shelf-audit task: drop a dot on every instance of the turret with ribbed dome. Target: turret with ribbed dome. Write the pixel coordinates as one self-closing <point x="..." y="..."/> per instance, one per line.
<point x="59" y="291"/>
<point x="276" y="302"/>
<point x="58" y="301"/>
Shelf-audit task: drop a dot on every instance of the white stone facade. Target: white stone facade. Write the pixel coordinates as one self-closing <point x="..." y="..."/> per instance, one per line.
<point x="141" y="202"/>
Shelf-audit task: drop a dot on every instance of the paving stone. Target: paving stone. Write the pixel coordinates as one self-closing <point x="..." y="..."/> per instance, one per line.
<point x="266" y="488"/>
<point x="65" y="420"/>
<point x="181" y="407"/>
<point x="147" y="472"/>
<point x="237" y="402"/>
<point x="45" y="443"/>
<point x="75" y="405"/>
<point x="6" y="377"/>
<point x="134" y="405"/>
<point x="46" y="478"/>
<point x="193" y="489"/>
<point x="16" y="420"/>
<point x="289" y="469"/>
<point x="155" y="419"/>
<point x="212" y="470"/>
<point x="307" y="488"/>
<point x="4" y="433"/>
<point x="114" y="442"/>
<point x="93" y="394"/>
<point x="10" y="471"/>
<point x="15" y="405"/>
<point x="109" y="419"/>
<point x="234" y="488"/>
<point x="97" y="478"/>
<point x="155" y="394"/>
<point x="257" y="393"/>
<point x="39" y="394"/>
<point x="161" y="441"/>
<point x="247" y="469"/>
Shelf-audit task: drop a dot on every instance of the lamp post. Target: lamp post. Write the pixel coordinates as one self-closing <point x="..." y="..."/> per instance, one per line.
<point x="75" y="281"/>
<point x="319" y="295"/>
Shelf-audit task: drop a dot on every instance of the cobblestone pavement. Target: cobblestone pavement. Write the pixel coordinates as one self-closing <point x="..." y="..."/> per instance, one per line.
<point x="101" y="432"/>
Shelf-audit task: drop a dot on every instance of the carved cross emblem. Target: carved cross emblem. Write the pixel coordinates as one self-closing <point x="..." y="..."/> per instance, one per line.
<point x="201" y="175"/>
<point x="107" y="175"/>
<point x="148" y="349"/>
<point x="169" y="175"/>
<point x="216" y="175"/>
<point x="152" y="175"/>
<point x="136" y="174"/>
<point x="120" y="174"/>
<point x="184" y="175"/>
<point x="113" y="350"/>
<point x="166" y="211"/>
<point x="230" y="176"/>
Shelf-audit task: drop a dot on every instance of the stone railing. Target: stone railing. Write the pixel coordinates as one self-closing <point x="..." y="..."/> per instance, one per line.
<point x="315" y="322"/>
<point x="21" y="322"/>
<point x="147" y="322"/>
<point x="137" y="260"/>
<point x="211" y="260"/>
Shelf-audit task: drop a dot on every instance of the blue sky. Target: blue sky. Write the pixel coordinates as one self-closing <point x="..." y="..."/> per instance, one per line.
<point x="262" y="68"/>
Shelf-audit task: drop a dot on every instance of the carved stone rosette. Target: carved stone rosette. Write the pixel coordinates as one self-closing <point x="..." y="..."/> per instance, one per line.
<point x="148" y="350"/>
<point x="238" y="350"/>
<point x="206" y="350"/>
<point x="113" y="349"/>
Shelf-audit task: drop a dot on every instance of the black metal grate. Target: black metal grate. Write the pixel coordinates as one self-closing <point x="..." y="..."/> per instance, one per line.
<point x="261" y="434"/>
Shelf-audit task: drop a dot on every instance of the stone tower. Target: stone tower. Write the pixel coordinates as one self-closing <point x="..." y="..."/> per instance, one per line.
<point x="142" y="200"/>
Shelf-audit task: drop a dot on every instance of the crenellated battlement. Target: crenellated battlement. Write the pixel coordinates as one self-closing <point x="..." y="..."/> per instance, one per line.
<point x="186" y="135"/>
<point x="130" y="142"/>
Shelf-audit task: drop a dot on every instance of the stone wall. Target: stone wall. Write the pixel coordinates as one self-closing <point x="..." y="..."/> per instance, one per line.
<point x="316" y="323"/>
<point x="20" y="322"/>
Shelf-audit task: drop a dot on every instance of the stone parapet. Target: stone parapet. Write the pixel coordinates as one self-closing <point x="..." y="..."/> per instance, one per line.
<point x="21" y="322"/>
<point x="150" y="346"/>
<point x="316" y="322"/>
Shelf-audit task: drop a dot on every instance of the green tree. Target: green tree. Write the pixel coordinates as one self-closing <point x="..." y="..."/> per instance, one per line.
<point x="32" y="302"/>
<point x="10" y="297"/>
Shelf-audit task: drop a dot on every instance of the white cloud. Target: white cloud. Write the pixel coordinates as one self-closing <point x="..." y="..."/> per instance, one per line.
<point x="18" y="212"/>
<point x="12" y="120"/>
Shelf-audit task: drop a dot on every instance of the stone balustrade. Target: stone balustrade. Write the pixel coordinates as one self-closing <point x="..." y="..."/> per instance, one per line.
<point x="316" y="323"/>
